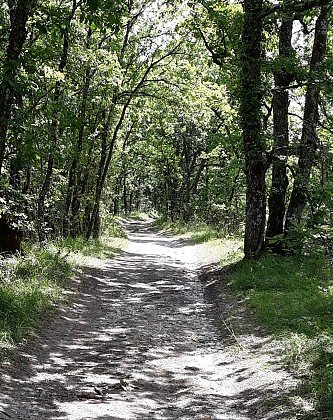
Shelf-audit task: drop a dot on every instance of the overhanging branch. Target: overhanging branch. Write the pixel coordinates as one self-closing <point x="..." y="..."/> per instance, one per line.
<point x="294" y="7"/>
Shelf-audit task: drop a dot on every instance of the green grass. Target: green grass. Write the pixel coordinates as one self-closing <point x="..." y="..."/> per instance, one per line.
<point x="29" y="287"/>
<point x="112" y="228"/>
<point x="289" y="293"/>
<point x="197" y="232"/>
<point x="112" y="241"/>
<point x="140" y="215"/>
<point x="293" y="298"/>
<point x="98" y="248"/>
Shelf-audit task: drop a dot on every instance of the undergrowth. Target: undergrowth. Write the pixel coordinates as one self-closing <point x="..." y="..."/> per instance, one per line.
<point x="111" y="242"/>
<point x="196" y="232"/>
<point x="293" y="298"/>
<point x="29" y="287"/>
<point x="78" y="248"/>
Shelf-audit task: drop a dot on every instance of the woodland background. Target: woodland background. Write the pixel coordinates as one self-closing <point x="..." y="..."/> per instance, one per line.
<point x="197" y="110"/>
<point x="215" y="116"/>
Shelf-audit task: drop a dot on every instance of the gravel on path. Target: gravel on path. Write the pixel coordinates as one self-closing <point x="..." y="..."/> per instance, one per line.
<point x="148" y="336"/>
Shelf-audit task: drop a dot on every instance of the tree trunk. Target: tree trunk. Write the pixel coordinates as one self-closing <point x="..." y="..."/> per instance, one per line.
<point x="280" y="103"/>
<point x="185" y="198"/>
<point x="72" y="197"/>
<point x="19" y="15"/>
<point x="309" y="140"/>
<point x="104" y="166"/>
<point x="16" y="163"/>
<point x="250" y="112"/>
<point x="117" y="193"/>
<point x="125" y="202"/>
<point x="108" y="115"/>
<point x="54" y="126"/>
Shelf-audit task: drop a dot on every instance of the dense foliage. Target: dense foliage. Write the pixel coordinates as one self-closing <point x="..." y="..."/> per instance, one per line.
<point x="198" y="110"/>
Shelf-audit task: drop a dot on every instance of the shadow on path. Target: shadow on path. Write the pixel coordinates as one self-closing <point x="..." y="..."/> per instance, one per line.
<point x="140" y="341"/>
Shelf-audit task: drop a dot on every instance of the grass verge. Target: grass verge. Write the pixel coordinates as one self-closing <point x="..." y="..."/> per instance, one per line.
<point x="196" y="232"/>
<point x="293" y="298"/>
<point x="84" y="252"/>
<point x="30" y="286"/>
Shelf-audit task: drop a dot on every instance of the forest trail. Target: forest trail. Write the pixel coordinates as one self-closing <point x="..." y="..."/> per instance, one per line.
<point x="144" y="339"/>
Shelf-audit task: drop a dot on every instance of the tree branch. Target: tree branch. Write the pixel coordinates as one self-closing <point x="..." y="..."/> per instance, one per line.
<point x="294" y="7"/>
<point x="301" y="84"/>
<point x="324" y="127"/>
<point x="215" y="56"/>
<point x="292" y="114"/>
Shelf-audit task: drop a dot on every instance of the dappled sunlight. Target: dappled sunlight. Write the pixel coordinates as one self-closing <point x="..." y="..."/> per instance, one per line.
<point x="140" y="341"/>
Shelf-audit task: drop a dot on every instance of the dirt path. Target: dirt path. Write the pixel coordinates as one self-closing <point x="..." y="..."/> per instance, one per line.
<point x="144" y="340"/>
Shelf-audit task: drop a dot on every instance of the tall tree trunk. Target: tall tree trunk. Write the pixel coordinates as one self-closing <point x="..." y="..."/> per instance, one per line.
<point x="94" y="220"/>
<point x="280" y="103"/>
<point x="116" y="199"/>
<point x="19" y="14"/>
<point x="70" y="224"/>
<point x="250" y="112"/>
<point x="94" y="216"/>
<point x="184" y="192"/>
<point x="125" y="194"/>
<point x="309" y="140"/>
<point x="54" y="127"/>
<point x="185" y="198"/>
<point x="104" y="166"/>
<point x="15" y="163"/>
<point x="121" y="181"/>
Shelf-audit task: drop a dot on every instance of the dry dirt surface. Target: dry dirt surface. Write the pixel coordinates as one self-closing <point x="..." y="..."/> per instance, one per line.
<point x="150" y="334"/>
